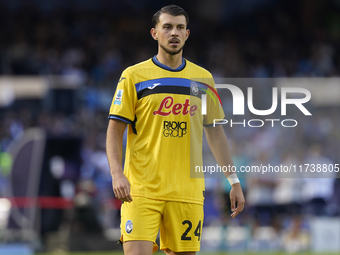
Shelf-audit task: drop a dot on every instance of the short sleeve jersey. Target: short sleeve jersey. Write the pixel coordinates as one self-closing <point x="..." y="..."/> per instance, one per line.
<point x="164" y="140"/>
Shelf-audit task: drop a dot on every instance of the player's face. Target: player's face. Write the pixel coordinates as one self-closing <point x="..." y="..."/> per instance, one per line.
<point x="171" y="33"/>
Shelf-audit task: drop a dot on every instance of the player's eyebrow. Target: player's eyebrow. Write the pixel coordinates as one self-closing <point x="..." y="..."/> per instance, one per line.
<point x="169" y="24"/>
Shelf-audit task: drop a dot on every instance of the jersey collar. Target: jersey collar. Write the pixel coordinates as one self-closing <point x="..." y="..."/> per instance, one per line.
<point x="180" y="68"/>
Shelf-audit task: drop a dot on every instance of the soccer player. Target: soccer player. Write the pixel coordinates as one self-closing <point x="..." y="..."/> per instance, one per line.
<point x="159" y="101"/>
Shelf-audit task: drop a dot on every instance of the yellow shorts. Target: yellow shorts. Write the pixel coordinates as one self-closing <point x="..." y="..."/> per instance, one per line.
<point x="180" y="223"/>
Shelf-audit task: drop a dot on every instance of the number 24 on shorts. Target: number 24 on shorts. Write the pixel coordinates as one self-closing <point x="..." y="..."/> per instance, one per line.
<point x="196" y="233"/>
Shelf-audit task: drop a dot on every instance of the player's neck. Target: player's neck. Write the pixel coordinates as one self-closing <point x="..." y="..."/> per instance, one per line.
<point x="172" y="61"/>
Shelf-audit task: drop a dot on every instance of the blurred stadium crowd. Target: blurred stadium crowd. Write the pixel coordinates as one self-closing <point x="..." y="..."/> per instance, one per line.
<point x="287" y="38"/>
<point x="95" y="43"/>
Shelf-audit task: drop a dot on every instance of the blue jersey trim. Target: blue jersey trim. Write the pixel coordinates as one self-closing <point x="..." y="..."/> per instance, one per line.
<point x="120" y="118"/>
<point x="180" y="68"/>
<point x="151" y="84"/>
<point x="212" y="124"/>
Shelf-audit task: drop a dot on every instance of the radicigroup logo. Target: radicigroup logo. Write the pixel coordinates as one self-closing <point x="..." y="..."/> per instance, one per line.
<point x="175" y="128"/>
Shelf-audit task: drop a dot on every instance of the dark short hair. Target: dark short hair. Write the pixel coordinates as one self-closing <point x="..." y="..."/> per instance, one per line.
<point x="173" y="10"/>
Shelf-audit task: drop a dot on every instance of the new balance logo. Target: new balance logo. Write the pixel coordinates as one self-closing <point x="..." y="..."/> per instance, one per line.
<point x="154" y="85"/>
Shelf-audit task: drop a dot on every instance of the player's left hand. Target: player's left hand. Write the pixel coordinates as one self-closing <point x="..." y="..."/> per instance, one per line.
<point x="236" y="198"/>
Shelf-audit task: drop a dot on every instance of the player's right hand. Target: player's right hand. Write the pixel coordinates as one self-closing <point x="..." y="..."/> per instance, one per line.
<point x="121" y="187"/>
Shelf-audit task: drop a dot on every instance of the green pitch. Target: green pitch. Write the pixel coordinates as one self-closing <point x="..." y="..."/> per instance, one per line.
<point x="199" y="253"/>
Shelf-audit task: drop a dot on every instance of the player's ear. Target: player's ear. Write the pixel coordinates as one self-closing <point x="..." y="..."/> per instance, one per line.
<point x="153" y="33"/>
<point x="187" y="33"/>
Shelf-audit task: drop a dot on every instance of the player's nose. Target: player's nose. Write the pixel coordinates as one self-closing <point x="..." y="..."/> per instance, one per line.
<point x="174" y="32"/>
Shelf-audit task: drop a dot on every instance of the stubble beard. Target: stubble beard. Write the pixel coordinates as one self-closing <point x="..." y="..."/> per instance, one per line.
<point x="171" y="52"/>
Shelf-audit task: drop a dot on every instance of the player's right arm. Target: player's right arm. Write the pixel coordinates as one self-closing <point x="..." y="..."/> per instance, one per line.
<point x="114" y="151"/>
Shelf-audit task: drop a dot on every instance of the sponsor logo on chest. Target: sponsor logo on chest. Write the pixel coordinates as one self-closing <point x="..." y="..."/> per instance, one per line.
<point x="167" y="107"/>
<point x="174" y="128"/>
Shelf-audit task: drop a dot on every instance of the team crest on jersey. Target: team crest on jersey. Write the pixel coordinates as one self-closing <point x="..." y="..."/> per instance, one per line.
<point x="194" y="88"/>
<point x="128" y="226"/>
<point x="119" y="96"/>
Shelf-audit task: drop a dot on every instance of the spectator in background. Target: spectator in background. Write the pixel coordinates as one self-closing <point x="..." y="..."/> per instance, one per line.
<point x="260" y="195"/>
<point x="318" y="187"/>
<point x="287" y="197"/>
<point x="287" y="194"/>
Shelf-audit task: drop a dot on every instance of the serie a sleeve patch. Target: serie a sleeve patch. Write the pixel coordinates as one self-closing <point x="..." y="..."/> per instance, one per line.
<point x="119" y="96"/>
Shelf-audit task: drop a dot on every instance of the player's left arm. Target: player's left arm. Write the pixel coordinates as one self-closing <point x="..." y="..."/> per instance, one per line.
<point x="219" y="147"/>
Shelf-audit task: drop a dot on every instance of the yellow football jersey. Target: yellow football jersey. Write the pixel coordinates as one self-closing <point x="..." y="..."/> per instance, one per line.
<point x="164" y="141"/>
